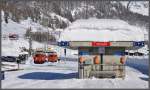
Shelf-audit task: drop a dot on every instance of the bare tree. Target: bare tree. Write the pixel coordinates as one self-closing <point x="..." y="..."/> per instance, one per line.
<point x="128" y="5"/>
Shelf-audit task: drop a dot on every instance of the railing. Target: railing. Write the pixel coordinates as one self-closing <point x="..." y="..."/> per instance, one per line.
<point x="102" y="70"/>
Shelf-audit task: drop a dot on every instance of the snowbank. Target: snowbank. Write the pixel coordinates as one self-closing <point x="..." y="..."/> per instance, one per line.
<point x="102" y="30"/>
<point x="12" y="48"/>
<point x="143" y="50"/>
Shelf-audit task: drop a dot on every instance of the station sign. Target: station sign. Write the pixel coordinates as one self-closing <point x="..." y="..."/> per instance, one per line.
<point x="138" y="43"/>
<point x="63" y="43"/>
<point x="101" y="43"/>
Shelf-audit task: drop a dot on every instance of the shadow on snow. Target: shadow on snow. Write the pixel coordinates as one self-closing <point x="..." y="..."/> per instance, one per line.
<point x="144" y="78"/>
<point x="139" y="65"/>
<point x="48" y="76"/>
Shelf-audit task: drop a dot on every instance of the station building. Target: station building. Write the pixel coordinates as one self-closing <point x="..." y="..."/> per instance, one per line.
<point x="101" y="52"/>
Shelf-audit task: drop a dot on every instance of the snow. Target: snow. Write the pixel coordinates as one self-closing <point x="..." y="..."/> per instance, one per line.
<point x="63" y="75"/>
<point x="12" y="27"/>
<point x="12" y="48"/>
<point x="23" y="52"/>
<point x="143" y="50"/>
<point x="101" y="30"/>
<point x="9" y="66"/>
<point x="34" y="26"/>
<point x="61" y="18"/>
<point x="21" y="27"/>
<point x="138" y="7"/>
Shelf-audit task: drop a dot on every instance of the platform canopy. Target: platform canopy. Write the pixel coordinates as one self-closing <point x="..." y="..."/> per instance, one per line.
<point x="101" y="30"/>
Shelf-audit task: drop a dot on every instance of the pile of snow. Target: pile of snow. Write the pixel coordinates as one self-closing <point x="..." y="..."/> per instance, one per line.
<point x="13" y="48"/>
<point x="9" y="66"/>
<point x="141" y="50"/>
<point x="144" y="50"/>
<point x="101" y="30"/>
<point x="141" y="7"/>
<point x="24" y="52"/>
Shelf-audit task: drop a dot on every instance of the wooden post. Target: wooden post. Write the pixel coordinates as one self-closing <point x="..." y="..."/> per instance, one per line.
<point x="101" y="55"/>
<point x="81" y="71"/>
<point x="18" y="66"/>
<point x="18" y="61"/>
<point x="65" y="51"/>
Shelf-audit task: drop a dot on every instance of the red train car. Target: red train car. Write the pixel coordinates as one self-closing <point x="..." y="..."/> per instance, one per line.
<point x="52" y="56"/>
<point x="39" y="58"/>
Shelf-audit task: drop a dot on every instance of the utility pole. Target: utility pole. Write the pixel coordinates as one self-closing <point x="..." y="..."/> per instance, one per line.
<point x="47" y="39"/>
<point x="30" y="43"/>
<point x="30" y="46"/>
<point x="86" y="10"/>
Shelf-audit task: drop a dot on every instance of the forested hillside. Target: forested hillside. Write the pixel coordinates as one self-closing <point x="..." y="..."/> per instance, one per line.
<point x="59" y="14"/>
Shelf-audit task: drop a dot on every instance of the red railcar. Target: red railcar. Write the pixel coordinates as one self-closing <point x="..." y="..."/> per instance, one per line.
<point x="52" y="56"/>
<point x="39" y="58"/>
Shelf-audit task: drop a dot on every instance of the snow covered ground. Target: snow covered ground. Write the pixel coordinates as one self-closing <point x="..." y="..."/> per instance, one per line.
<point x="20" y="28"/>
<point x="12" y="47"/>
<point x="64" y="75"/>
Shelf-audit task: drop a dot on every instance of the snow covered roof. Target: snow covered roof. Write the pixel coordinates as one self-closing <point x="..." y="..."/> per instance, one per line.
<point x="23" y="53"/>
<point x="101" y="30"/>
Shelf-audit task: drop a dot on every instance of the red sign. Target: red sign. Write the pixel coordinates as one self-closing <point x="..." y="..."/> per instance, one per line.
<point x="100" y="43"/>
